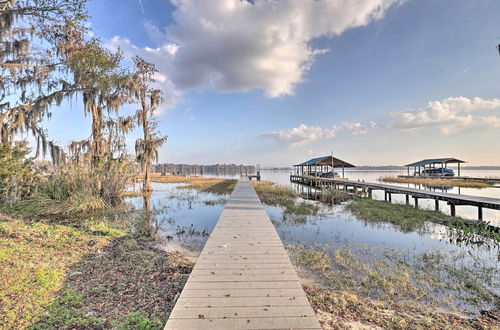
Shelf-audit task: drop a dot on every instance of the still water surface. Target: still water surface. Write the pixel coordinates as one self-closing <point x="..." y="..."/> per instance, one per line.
<point x="185" y="218"/>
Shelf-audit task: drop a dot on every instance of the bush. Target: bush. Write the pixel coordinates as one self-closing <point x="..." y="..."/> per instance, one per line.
<point x="17" y="174"/>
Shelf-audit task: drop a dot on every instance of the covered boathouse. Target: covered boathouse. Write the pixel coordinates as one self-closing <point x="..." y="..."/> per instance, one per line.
<point x="420" y="167"/>
<point x="321" y="166"/>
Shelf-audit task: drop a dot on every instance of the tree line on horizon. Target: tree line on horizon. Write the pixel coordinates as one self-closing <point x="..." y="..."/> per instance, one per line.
<point x="47" y="57"/>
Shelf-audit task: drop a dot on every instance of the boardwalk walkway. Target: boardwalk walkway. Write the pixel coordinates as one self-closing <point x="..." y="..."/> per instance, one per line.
<point x="243" y="278"/>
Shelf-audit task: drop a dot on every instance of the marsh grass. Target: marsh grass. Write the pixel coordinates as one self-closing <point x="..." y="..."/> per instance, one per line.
<point x="206" y="184"/>
<point x="425" y="281"/>
<point x="436" y="182"/>
<point x="405" y="217"/>
<point x="344" y="310"/>
<point x="285" y="197"/>
<point x="474" y="233"/>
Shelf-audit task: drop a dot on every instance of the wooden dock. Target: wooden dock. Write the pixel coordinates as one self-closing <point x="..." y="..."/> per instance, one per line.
<point x="452" y="199"/>
<point x="243" y="278"/>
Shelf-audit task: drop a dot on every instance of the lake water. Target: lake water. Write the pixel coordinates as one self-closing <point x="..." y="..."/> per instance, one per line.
<point x="468" y="212"/>
<point x="184" y="219"/>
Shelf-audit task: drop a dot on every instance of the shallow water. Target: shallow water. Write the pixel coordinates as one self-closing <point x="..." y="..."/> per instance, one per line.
<point x="184" y="219"/>
<point x="467" y="212"/>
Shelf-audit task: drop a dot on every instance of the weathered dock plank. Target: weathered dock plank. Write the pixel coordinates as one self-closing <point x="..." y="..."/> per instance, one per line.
<point x="243" y="278"/>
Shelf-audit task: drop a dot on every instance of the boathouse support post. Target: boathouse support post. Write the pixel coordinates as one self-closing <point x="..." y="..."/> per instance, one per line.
<point x="452" y="209"/>
<point x="416" y="202"/>
<point x="480" y="213"/>
<point x="390" y="197"/>
<point x="436" y="204"/>
<point x="407" y="199"/>
<point x="385" y="196"/>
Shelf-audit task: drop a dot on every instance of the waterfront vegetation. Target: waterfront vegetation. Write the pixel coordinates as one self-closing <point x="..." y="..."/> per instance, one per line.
<point x="349" y="285"/>
<point x="285" y="197"/>
<point x="437" y="182"/>
<point x="206" y="184"/>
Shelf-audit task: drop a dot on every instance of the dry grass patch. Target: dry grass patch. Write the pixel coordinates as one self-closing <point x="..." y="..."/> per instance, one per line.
<point x="206" y="184"/>
<point x="431" y="182"/>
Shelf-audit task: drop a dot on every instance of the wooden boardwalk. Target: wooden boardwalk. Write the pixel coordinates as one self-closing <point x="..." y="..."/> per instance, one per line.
<point x="452" y="199"/>
<point x="243" y="278"/>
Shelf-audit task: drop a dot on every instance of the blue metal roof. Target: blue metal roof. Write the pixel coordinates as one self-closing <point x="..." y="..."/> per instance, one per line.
<point x="325" y="160"/>
<point x="311" y="161"/>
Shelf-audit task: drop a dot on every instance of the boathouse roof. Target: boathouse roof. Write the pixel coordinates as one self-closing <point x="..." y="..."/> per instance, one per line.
<point x="431" y="161"/>
<point x="326" y="160"/>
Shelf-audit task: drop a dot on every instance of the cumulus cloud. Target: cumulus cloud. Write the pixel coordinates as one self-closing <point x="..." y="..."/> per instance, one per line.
<point x="358" y="128"/>
<point x="449" y="115"/>
<point x="301" y="135"/>
<point x="304" y="134"/>
<point x="236" y="45"/>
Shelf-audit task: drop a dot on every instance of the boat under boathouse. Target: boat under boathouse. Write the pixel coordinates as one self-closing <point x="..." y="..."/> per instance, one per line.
<point x="434" y="167"/>
<point x="321" y="167"/>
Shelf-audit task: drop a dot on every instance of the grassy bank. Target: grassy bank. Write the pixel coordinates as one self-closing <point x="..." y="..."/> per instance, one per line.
<point x="351" y="286"/>
<point x="436" y="182"/>
<point x="206" y="184"/>
<point x="86" y="276"/>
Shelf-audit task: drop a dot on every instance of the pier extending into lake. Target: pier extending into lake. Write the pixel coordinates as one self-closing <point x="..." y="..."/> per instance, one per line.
<point x="367" y="187"/>
<point x="243" y="278"/>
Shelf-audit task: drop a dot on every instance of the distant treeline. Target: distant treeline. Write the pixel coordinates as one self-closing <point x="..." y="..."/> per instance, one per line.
<point x="204" y="169"/>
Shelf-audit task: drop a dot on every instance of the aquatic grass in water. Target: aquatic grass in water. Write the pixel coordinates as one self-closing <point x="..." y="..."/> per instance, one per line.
<point x="285" y="197"/>
<point x="430" y="279"/>
<point x="405" y="217"/>
<point x="436" y="182"/>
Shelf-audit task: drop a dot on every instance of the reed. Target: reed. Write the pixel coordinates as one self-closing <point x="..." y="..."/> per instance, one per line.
<point x="436" y="182"/>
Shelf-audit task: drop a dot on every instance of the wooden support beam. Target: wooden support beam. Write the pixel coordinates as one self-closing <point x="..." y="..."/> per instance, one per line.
<point x="436" y="204"/>
<point x="452" y="209"/>
<point x="416" y="202"/>
<point x="407" y="199"/>
<point x="390" y="197"/>
<point x="480" y="213"/>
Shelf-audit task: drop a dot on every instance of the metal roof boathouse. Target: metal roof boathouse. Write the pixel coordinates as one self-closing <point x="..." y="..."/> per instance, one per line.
<point x="321" y="166"/>
<point x="428" y="164"/>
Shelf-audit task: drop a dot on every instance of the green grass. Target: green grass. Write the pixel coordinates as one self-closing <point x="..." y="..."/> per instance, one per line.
<point x="91" y="275"/>
<point x="405" y="217"/>
<point x="285" y="197"/>
<point x="34" y="258"/>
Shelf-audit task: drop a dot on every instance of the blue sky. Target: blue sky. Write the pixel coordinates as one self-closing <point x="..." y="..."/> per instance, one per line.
<point x="275" y="82"/>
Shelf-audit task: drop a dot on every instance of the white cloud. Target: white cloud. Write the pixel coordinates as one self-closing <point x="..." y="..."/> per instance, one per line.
<point x="449" y="115"/>
<point x="236" y="45"/>
<point x="301" y="135"/>
<point x="356" y="128"/>
<point x="304" y="134"/>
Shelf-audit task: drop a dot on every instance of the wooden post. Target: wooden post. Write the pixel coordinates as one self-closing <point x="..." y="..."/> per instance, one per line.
<point x="385" y="195"/>
<point x="390" y="197"/>
<point x="416" y="202"/>
<point x="480" y="213"/>
<point x="452" y="209"/>
<point x="436" y="205"/>
<point x="407" y="199"/>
